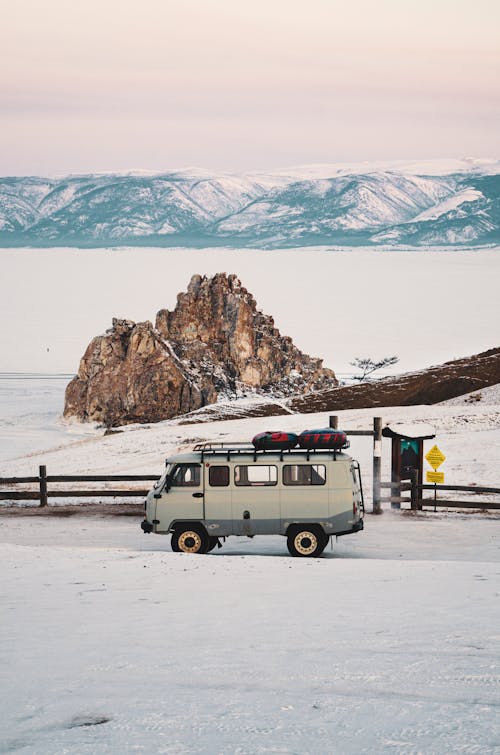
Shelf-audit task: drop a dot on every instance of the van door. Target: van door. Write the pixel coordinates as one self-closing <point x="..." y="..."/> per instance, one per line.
<point x="341" y="497"/>
<point x="184" y="499"/>
<point x="218" y="512"/>
<point x="304" y="496"/>
<point x="256" y="499"/>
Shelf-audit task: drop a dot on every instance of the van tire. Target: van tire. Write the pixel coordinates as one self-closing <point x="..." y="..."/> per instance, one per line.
<point x="190" y="539"/>
<point x="308" y="541"/>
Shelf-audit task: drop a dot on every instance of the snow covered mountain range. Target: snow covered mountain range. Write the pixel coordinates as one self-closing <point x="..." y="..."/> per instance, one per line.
<point x="438" y="203"/>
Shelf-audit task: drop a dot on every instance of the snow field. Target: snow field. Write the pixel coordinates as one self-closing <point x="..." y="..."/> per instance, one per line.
<point x="112" y="643"/>
<point x="389" y="643"/>
<point x="468" y="435"/>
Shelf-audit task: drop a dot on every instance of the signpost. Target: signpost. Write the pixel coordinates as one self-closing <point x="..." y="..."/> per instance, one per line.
<point x="435" y="457"/>
<point x="435" y="477"/>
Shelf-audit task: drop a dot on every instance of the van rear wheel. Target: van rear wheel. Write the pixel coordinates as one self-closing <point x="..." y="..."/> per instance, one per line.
<point x="308" y="542"/>
<point x="190" y="540"/>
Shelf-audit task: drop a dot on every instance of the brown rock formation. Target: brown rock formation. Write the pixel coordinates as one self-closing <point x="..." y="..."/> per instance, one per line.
<point x="215" y="341"/>
<point x="428" y="386"/>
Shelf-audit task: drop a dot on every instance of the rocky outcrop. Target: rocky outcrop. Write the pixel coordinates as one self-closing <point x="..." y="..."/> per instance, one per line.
<point x="430" y="386"/>
<point x="214" y="342"/>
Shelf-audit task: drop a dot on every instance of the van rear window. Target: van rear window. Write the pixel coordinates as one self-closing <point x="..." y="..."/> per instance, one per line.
<point x="304" y="474"/>
<point x="218" y="477"/>
<point x="255" y="475"/>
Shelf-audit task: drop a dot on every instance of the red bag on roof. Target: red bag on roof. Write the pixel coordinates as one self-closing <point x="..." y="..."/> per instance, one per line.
<point x="324" y="438"/>
<point x="269" y="440"/>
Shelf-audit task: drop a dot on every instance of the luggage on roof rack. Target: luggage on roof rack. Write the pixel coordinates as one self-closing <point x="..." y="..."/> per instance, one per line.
<point x="323" y="438"/>
<point x="274" y="440"/>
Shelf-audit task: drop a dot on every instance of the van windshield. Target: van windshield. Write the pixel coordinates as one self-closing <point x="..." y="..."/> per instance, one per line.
<point x="161" y="482"/>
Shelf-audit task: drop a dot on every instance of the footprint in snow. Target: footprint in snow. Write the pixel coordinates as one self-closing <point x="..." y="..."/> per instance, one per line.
<point x="85" y="720"/>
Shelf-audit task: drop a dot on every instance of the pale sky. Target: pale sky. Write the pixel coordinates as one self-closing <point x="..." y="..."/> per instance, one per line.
<point x="232" y="85"/>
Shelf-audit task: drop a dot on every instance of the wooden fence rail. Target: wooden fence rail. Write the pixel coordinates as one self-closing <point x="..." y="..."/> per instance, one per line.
<point x="43" y="493"/>
<point x="396" y="489"/>
<point x="417" y="501"/>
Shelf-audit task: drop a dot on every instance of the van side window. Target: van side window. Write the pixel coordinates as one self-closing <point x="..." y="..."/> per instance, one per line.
<point x="304" y="474"/>
<point x="185" y="476"/>
<point x="218" y="477"/>
<point x="255" y="475"/>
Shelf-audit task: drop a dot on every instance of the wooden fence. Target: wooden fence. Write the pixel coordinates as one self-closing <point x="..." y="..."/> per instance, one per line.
<point x="43" y="492"/>
<point x="415" y="490"/>
<point x="418" y="501"/>
<point x="395" y="498"/>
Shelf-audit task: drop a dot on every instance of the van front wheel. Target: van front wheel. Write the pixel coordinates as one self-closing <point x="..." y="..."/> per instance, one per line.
<point x="307" y="542"/>
<point x="190" y="540"/>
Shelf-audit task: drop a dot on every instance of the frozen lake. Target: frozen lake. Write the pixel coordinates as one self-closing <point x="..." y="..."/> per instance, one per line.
<point x="30" y="410"/>
<point x="424" y="306"/>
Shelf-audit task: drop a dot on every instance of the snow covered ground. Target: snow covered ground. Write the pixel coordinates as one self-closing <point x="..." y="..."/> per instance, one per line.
<point x="111" y="643"/>
<point x="467" y="433"/>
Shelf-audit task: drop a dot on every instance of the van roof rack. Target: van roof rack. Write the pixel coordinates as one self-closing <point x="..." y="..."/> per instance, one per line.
<point x="214" y="445"/>
<point x="236" y="448"/>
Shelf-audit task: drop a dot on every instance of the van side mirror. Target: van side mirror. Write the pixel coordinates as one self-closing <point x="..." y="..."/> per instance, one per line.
<point x="157" y="495"/>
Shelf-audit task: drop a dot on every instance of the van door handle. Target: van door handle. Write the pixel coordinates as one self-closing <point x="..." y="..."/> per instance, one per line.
<point x="197" y="495"/>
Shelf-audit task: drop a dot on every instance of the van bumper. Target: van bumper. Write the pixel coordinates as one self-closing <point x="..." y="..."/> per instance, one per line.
<point x="146" y="526"/>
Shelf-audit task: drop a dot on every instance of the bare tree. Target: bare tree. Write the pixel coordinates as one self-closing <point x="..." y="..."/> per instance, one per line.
<point x="367" y="365"/>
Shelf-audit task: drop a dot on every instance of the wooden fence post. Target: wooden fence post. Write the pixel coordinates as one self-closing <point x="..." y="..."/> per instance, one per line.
<point x="414" y="490"/>
<point x="334" y="422"/>
<point x="377" y="464"/>
<point x="43" y="485"/>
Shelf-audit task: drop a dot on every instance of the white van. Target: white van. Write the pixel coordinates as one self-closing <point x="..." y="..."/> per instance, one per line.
<point x="219" y="490"/>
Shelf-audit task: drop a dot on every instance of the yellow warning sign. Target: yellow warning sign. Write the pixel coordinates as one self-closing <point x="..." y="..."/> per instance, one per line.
<point x="436" y="477"/>
<point x="435" y="457"/>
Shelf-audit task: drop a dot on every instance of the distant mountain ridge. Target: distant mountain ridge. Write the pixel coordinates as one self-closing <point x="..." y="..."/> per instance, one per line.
<point x="440" y="204"/>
